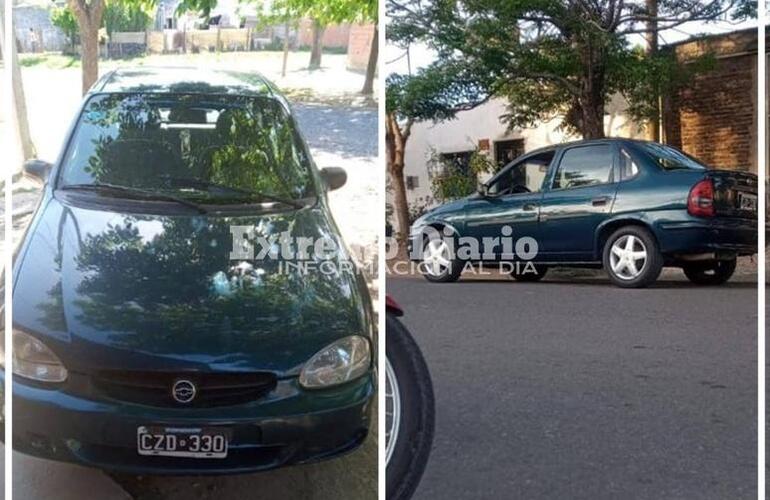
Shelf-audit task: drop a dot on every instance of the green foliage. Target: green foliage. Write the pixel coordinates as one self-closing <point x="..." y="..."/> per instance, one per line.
<point x="548" y="58"/>
<point x="64" y="19"/>
<point x="325" y="11"/>
<point x="119" y="15"/>
<point x="435" y="93"/>
<point x="452" y="182"/>
<point x="260" y="155"/>
<point x="661" y="74"/>
<point x="127" y="16"/>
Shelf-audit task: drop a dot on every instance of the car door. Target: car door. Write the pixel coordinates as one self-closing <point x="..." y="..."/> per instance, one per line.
<point x="512" y="201"/>
<point x="578" y="197"/>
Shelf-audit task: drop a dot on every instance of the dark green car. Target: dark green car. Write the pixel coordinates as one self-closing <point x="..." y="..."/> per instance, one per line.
<point x="630" y="207"/>
<point x="160" y="323"/>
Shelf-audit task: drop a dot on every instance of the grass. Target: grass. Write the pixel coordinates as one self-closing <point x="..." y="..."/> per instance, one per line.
<point x="49" y="60"/>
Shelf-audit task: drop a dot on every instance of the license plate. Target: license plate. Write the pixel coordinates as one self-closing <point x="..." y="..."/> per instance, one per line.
<point x="181" y="442"/>
<point x="747" y="201"/>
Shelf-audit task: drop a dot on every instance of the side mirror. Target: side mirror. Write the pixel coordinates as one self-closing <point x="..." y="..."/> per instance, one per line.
<point x="37" y="169"/>
<point x="483" y="191"/>
<point x="334" y="177"/>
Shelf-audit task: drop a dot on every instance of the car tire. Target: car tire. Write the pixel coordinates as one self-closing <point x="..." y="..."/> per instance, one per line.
<point x="439" y="272"/>
<point x="632" y="258"/>
<point x="710" y="273"/>
<point x="414" y="438"/>
<point x="529" y="277"/>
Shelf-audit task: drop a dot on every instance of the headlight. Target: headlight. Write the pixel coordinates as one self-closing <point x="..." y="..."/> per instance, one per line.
<point x="337" y="363"/>
<point x="34" y="360"/>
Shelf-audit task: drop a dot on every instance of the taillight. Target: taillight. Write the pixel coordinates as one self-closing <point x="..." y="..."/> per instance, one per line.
<point x="701" y="200"/>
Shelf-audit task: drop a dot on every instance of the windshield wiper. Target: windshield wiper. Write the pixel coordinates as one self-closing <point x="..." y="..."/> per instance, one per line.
<point x="202" y="183"/>
<point x="137" y="192"/>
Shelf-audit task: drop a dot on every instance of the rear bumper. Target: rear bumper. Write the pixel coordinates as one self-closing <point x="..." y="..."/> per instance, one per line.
<point x="264" y="435"/>
<point x="719" y="235"/>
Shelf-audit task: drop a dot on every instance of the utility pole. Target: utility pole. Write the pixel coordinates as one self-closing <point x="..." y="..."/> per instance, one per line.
<point x="651" y="36"/>
<point x="18" y="115"/>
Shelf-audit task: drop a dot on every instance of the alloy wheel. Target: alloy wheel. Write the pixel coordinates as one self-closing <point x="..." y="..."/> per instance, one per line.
<point x="435" y="257"/>
<point x="628" y="257"/>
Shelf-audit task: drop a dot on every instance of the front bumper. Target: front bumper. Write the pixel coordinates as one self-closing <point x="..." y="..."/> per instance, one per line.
<point x="718" y="235"/>
<point x="290" y="426"/>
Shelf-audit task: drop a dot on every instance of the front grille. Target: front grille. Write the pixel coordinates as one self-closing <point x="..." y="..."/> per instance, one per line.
<point x="154" y="388"/>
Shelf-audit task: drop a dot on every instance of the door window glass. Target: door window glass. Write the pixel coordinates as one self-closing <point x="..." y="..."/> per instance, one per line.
<point x="525" y="177"/>
<point x="584" y="166"/>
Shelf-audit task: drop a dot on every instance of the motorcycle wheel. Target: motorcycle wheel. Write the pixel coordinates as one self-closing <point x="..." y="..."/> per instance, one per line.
<point x="409" y="412"/>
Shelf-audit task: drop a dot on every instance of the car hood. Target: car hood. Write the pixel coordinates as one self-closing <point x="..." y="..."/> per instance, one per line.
<point x="160" y="292"/>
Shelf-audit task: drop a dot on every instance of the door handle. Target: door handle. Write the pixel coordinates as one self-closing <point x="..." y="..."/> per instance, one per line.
<point x="529" y="207"/>
<point x="600" y="201"/>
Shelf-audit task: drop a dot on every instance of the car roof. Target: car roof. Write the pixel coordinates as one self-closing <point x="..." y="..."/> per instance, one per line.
<point x="184" y="80"/>
<point x="586" y="142"/>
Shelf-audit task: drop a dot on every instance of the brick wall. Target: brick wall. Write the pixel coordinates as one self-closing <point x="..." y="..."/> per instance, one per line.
<point x="335" y="35"/>
<point x="714" y="117"/>
<point x="359" y="46"/>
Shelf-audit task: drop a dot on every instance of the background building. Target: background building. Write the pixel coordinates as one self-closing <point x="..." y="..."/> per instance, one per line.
<point x="714" y="119"/>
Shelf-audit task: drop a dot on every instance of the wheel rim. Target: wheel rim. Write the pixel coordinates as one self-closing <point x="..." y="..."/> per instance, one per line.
<point x="628" y="256"/>
<point x="435" y="257"/>
<point x="392" y="411"/>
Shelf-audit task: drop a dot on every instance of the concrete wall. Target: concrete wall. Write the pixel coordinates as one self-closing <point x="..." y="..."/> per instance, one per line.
<point x="50" y="38"/>
<point x="128" y="37"/>
<point x="228" y="39"/>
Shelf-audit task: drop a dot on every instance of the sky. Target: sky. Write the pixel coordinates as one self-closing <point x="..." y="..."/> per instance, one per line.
<point x="420" y="55"/>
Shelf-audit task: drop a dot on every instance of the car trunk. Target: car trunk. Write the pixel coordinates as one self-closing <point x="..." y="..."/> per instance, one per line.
<point x="735" y="193"/>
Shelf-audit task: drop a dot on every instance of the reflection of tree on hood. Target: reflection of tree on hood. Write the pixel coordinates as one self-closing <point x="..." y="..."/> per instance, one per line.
<point x="163" y="287"/>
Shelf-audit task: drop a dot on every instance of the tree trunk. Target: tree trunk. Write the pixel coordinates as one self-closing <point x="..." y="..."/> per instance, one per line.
<point x="371" y="66"/>
<point x="315" y="51"/>
<point x="592" y="118"/>
<point x="395" y="141"/>
<point x="89" y="16"/>
<point x="285" y="47"/>
<point x="89" y="55"/>
<point x="592" y="92"/>
<point x="651" y="35"/>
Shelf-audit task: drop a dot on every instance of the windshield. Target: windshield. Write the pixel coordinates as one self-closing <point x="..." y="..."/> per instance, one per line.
<point x="207" y="149"/>
<point x="672" y="159"/>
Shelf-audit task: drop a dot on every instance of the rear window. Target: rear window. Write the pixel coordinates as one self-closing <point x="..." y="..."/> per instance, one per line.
<point x="204" y="148"/>
<point x="670" y="158"/>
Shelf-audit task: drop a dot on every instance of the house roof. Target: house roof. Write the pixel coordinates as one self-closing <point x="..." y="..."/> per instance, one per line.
<point x="184" y="80"/>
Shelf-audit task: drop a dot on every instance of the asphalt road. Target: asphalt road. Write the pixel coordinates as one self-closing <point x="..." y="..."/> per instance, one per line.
<point x="577" y="389"/>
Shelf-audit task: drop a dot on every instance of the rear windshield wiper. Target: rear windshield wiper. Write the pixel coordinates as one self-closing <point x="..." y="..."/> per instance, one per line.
<point x="136" y="192"/>
<point x="202" y="183"/>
